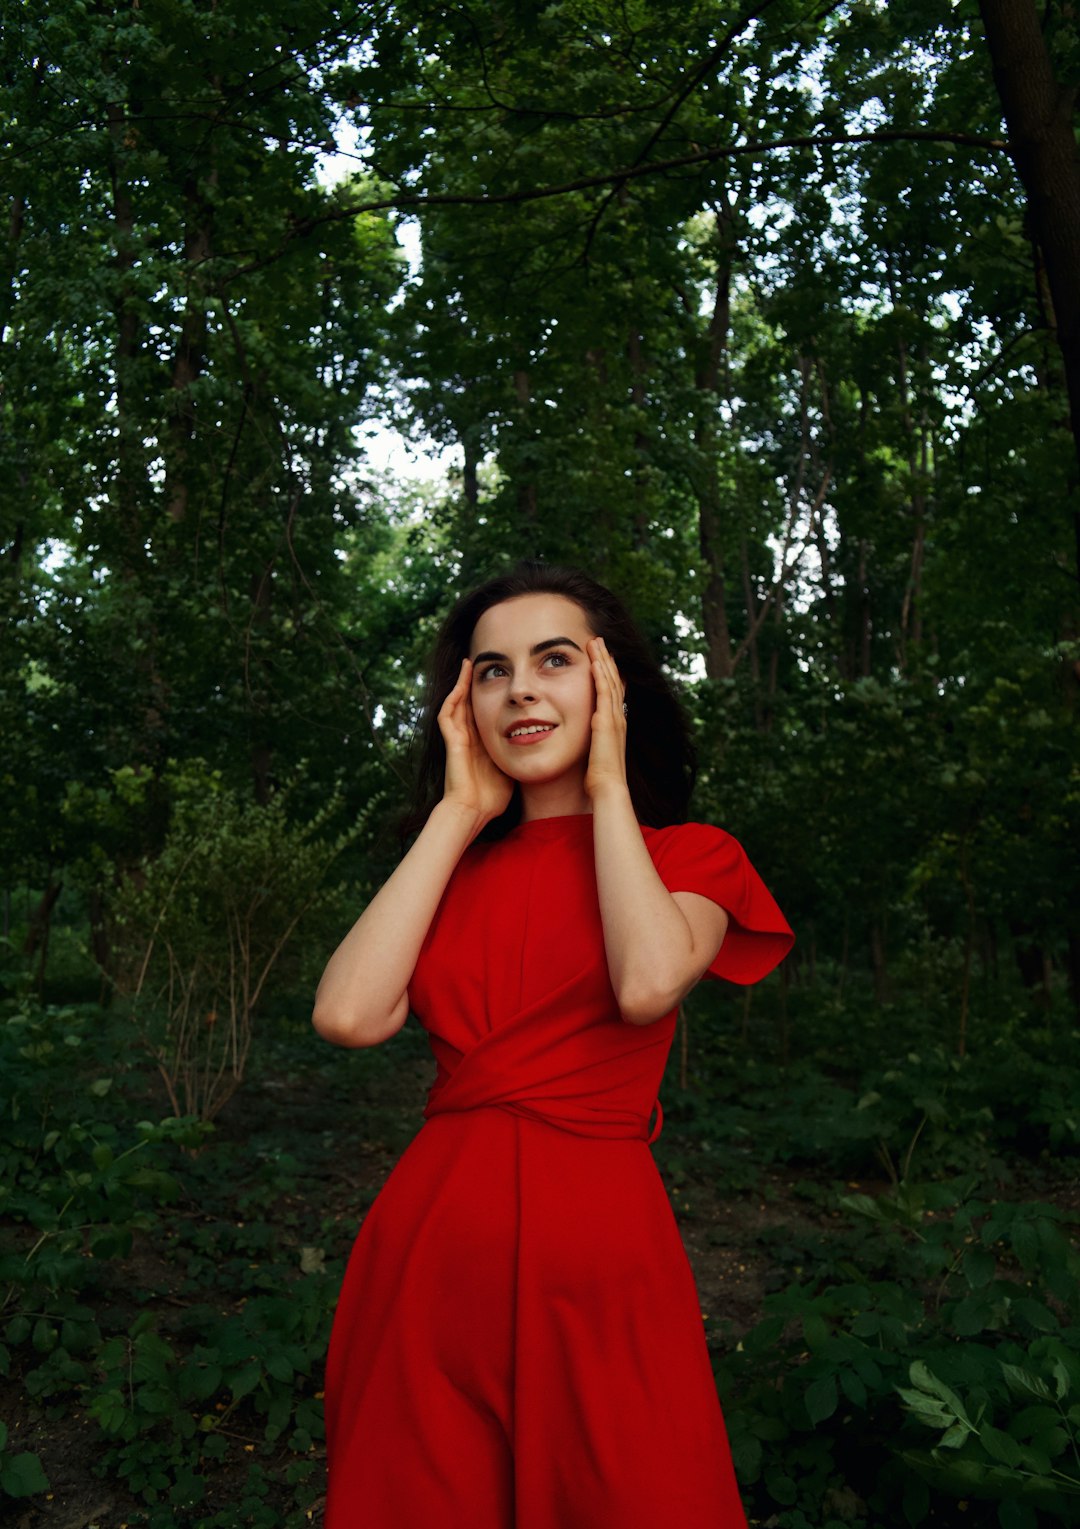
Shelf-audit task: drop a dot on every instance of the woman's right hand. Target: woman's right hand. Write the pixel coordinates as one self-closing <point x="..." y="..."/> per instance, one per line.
<point x="473" y="780"/>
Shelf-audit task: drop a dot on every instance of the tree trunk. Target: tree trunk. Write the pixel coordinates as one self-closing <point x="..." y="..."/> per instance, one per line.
<point x="1039" y="114"/>
<point x="1072" y="969"/>
<point x="470" y="481"/>
<point x="526" y="494"/>
<point x="127" y="500"/>
<point x="1032" y="960"/>
<point x="918" y="465"/>
<point x="100" y="943"/>
<point x="38" y="932"/>
<point x="190" y="355"/>
<point x="877" y="956"/>
<point x="261" y="755"/>
<point x="865" y="621"/>
<point x="635" y="352"/>
<point x="714" y="618"/>
<point x="712" y="350"/>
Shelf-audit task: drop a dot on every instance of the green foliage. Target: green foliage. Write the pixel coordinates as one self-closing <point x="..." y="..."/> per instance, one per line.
<point x="202" y="1368"/>
<point x="219" y="1382"/>
<point x="978" y="1322"/>
<point x="21" y="1474"/>
<point x="921" y="1250"/>
<point x="1028" y="1458"/>
<point x="200" y="927"/>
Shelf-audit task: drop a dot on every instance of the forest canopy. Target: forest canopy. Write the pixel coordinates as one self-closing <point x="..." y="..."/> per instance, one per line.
<point x="765" y="315"/>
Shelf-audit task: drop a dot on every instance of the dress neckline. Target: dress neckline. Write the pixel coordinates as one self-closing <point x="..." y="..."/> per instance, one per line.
<point x="553" y="824"/>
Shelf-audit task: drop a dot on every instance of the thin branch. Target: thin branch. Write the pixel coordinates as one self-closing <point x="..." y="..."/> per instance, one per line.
<point x="707" y="66"/>
<point x="411" y="202"/>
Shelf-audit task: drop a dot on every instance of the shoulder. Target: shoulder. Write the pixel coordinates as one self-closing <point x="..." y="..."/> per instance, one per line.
<point x="697" y="857"/>
<point x="690" y="842"/>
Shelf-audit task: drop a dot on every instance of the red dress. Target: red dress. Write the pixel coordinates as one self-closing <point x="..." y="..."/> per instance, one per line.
<point x="518" y="1342"/>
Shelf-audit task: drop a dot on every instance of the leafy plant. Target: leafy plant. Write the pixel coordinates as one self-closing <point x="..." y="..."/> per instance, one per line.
<point x="1014" y="1438"/>
<point x="200" y="927"/>
<point x="21" y="1474"/>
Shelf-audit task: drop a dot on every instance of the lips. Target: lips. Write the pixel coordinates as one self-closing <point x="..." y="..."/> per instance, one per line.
<point x="529" y="730"/>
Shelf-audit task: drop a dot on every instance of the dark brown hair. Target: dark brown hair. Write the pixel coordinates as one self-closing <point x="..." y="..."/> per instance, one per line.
<point x="660" y="763"/>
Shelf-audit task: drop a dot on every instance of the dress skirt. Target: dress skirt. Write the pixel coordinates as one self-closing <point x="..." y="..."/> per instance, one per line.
<point x="519" y="1344"/>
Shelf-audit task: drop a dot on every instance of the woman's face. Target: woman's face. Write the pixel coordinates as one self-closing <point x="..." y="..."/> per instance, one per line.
<point x="533" y="695"/>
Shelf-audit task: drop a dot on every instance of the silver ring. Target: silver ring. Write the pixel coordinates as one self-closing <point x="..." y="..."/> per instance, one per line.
<point x="625" y="709"/>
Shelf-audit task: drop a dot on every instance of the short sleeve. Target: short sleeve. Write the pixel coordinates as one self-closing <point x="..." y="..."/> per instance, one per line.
<point x="694" y="857"/>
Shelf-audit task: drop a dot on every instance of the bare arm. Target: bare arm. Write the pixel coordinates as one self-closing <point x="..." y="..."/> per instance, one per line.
<point x="363" y="997"/>
<point x="658" y="943"/>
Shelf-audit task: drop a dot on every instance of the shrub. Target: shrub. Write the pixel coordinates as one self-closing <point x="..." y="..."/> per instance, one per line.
<point x="199" y="928"/>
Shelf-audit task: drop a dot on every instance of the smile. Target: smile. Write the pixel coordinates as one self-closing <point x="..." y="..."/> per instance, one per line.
<point x="531" y="732"/>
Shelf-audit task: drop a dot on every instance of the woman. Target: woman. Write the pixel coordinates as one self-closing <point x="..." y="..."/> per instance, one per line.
<point x="518" y="1340"/>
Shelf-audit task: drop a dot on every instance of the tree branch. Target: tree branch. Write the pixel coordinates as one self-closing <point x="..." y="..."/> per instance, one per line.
<point x="416" y="201"/>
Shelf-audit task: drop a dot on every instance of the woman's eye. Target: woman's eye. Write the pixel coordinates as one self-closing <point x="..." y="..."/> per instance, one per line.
<point x="491" y="669"/>
<point x="561" y="658"/>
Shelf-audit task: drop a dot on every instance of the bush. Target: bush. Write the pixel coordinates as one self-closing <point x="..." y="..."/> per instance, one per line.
<point x="829" y="1397"/>
<point x="198" y="929"/>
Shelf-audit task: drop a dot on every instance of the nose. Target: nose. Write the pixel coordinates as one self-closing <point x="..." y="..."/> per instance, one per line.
<point x="521" y="695"/>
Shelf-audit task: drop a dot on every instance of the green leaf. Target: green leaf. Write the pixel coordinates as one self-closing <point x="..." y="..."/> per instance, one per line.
<point x="780" y="1486"/>
<point x="1017" y="1515"/>
<point x="1025" y="1242"/>
<point x="746" y="1455"/>
<point x="926" y="1408"/>
<point x="1000" y="1446"/>
<point x="927" y="1381"/>
<point x="1023" y="1383"/>
<point x="111" y="1411"/>
<point x="17" y="1331"/>
<point x="22" y="1475"/>
<point x="973" y="1315"/>
<point x="916" y="1500"/>
<point x="1035" y="1314"/>
<point x="821" y="1398"/>
<point x="45" y="1336"/>
<point x="279" y="1367"/>
<point x="245" y="1380"/>
<point x="979" y="1268"/>
<point x="955" y="1436"/>
<point x="200" y="1381"/>
<point x="815" y="1330"/>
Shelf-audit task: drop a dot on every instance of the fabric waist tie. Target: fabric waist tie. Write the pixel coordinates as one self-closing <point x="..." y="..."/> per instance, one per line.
<point x="611" y="1127"/>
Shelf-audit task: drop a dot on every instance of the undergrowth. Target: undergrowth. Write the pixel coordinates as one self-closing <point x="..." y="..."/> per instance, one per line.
<point x="168" y="1286"/>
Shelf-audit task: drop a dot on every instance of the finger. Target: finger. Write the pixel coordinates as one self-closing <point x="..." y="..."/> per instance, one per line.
<point x="600" y="660"/>
<point x="601" y="687"/>
<point x="613" y="679"/>
<point x="449" y="714"/>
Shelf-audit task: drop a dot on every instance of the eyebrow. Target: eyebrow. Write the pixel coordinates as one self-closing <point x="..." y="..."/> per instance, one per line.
<point x="540" y="647"/>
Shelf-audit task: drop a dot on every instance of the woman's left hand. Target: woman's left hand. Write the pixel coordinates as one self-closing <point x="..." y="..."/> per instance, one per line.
<point x="607" y="752"/>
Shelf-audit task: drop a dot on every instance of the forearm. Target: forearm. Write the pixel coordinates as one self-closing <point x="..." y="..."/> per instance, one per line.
<point x="362" y="997"/>
<point x="650" y="946"/>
